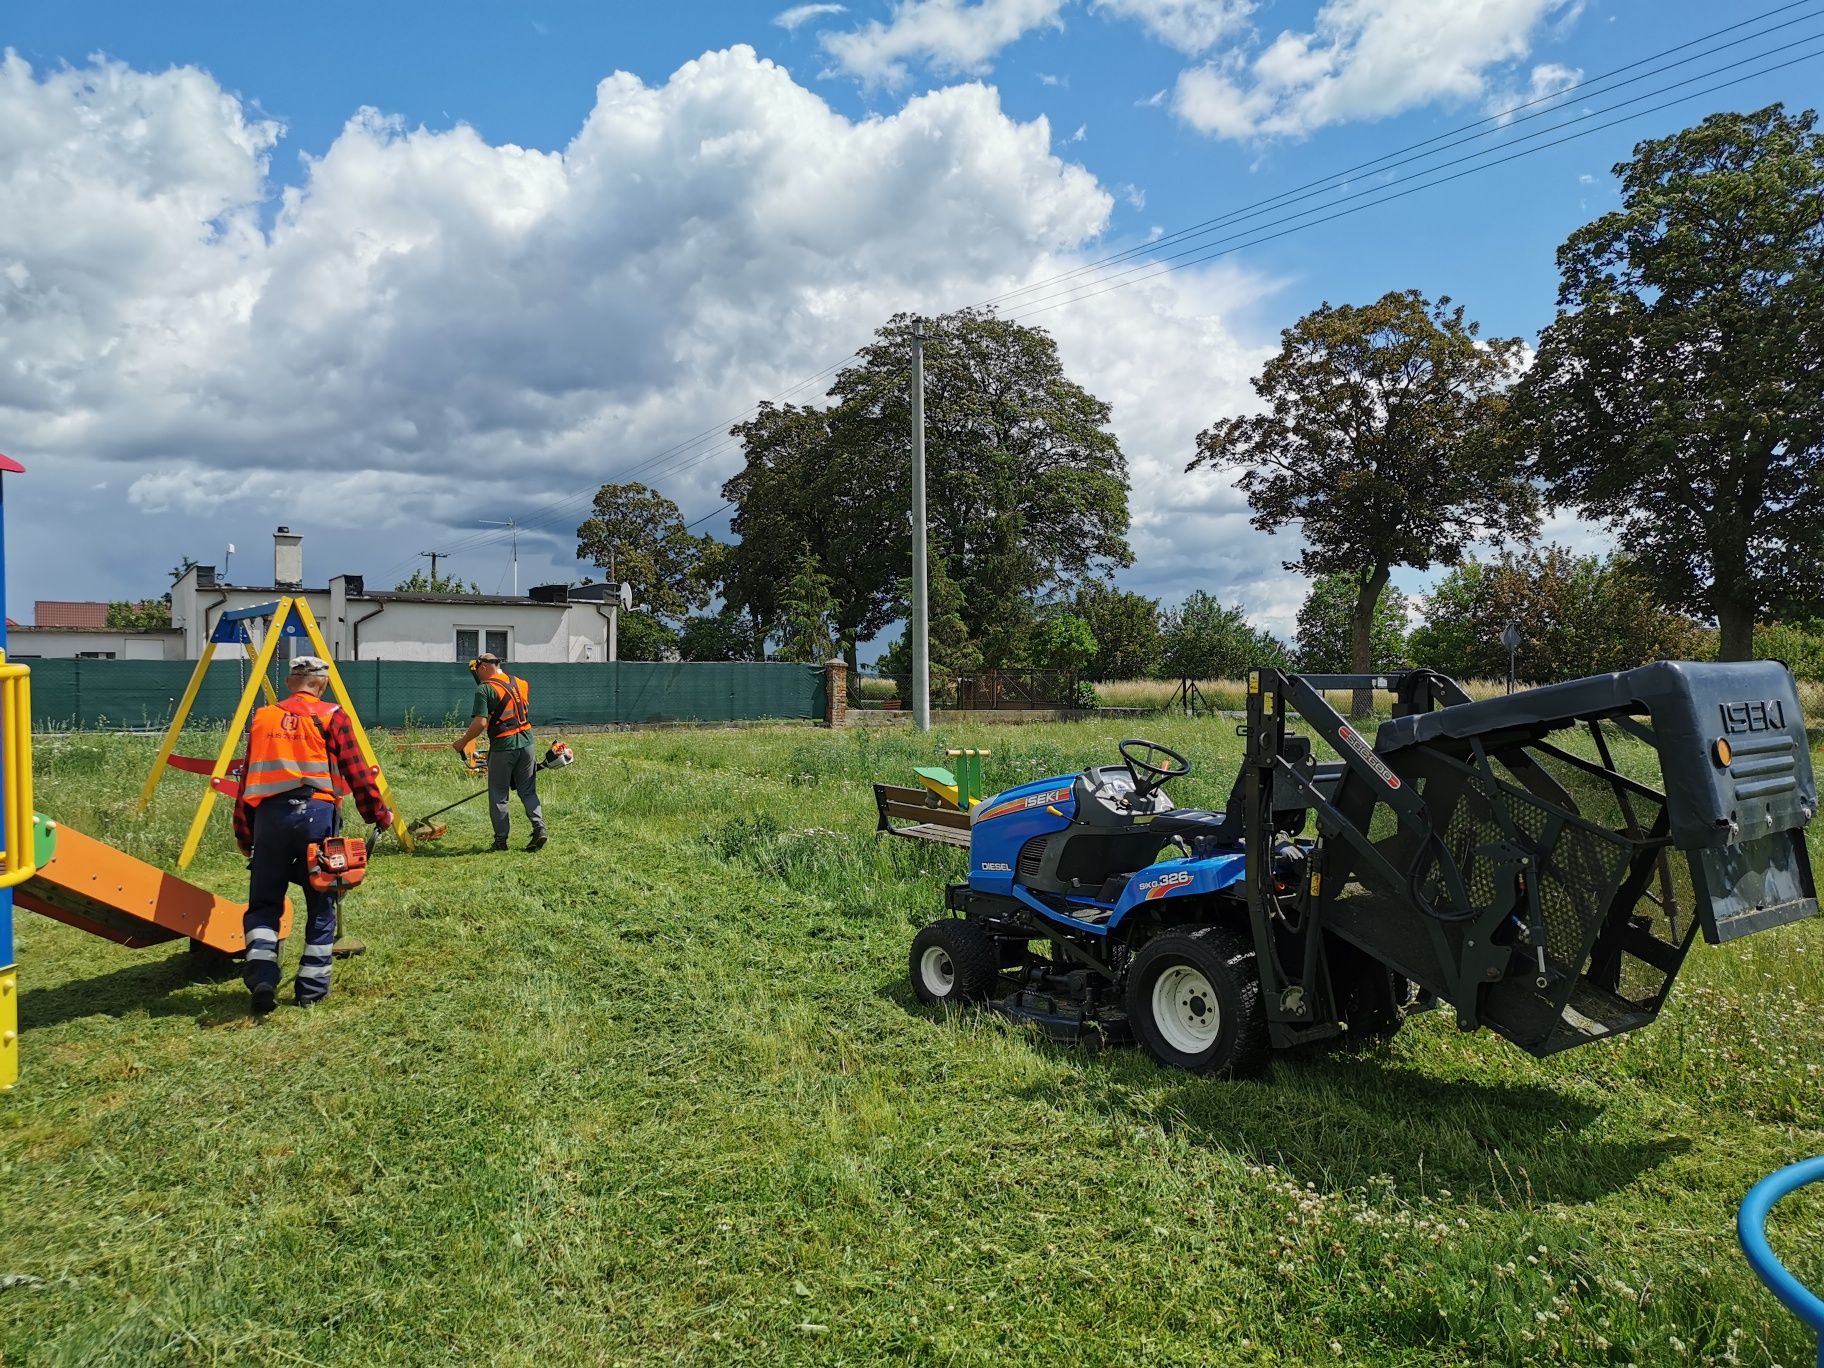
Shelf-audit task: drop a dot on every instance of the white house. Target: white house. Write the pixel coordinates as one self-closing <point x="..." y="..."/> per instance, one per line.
<point x="91" y="643"/>
<point x="554" y="624"/>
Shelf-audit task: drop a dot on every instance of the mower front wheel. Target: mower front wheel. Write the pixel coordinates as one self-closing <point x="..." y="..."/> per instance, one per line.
<point x="953" y="961"/>
<point x="1193" y="999"/>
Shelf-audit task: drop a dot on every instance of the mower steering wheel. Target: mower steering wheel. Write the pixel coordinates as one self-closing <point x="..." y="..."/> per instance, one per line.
<point x="1149" y="775"/>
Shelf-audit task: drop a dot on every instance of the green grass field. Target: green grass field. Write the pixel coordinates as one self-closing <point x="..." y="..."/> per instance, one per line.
<point x="659" y="1094"/>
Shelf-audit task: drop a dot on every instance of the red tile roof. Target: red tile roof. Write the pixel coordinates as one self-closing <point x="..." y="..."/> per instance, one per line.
<point x="63" y="613"/>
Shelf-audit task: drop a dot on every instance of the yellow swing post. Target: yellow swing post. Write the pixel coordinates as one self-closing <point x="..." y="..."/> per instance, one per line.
<point x="231" y="742"/>
<point x="309" y="620"/>
<point x="278" y="619"/>
<point x="182" y="715"/>
<point x="168" y="746"/>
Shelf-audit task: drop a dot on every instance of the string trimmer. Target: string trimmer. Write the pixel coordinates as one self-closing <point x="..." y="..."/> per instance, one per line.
<point x="424" y="829"/>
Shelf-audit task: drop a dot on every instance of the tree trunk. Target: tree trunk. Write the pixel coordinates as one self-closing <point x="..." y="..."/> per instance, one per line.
<point x="1737" y="623"/>
<point x="849" y="654"/>
<point x="1361" y="637"/>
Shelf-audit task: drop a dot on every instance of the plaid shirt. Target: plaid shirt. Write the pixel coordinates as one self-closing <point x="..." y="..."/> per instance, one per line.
<point x="345" y="755"/>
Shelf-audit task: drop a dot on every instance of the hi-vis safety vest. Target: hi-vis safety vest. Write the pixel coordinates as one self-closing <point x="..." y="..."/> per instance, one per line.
<point x="508" y="716"/>
<point x="289" y="750"/>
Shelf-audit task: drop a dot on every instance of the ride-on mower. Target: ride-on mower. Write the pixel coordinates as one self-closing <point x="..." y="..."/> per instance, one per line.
<point x="1518" y="859"/>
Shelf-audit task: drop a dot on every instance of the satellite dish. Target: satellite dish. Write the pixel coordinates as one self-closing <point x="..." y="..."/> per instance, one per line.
<point x="626" y="595"/>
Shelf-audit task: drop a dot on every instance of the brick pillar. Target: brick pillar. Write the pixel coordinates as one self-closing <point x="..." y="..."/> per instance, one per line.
<point x="836" y="693"/>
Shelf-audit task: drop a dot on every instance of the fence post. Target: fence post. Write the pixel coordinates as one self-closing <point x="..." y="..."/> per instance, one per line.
<point x="836" y="693"/>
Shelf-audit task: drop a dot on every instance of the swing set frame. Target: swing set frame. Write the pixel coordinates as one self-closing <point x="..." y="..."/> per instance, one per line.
<point x="289" y="616"/>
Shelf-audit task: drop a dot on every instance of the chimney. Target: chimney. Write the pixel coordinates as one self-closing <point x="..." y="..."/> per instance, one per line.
<point x="287" y="559"/>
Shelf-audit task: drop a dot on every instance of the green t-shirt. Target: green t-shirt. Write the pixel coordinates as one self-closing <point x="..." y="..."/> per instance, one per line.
<point x="482" y="707"/>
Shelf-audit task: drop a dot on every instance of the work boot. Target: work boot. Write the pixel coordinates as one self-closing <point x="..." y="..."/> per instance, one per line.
<point x="498" y="845"/>
<point x="264" y="1000"/>
<point x="537" y="842"/>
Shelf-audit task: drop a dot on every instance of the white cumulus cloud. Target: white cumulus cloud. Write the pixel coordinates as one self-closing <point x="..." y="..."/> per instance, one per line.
<point x="431" y="329"/>
<point x="1547" y="80"/>
<point x="951" y="36"/>
<point x="1362" y="59"/>
<point x="1191" y="26"/>
<point x="801" y="14"/>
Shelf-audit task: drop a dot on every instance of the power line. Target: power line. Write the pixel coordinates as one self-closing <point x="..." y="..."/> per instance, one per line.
<point x="1502" y="120"/>
<point x="1208" y="252"/>
<point x="1378" y="194"/>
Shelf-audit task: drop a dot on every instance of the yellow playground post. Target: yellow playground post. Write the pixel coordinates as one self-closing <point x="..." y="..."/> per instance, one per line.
<point x="287" y="616"/>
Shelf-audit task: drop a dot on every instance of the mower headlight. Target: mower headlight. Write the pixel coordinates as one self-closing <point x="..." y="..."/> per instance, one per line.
<point x="1721" y="752"/>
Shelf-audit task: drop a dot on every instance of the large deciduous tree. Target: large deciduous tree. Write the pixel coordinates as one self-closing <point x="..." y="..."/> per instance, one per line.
<point x="1326" y="620"/>
<point x="1204" y="640"/>
<point x="806" y="484"/>
<point x="1576" y="615"/>
<point x="1379" y="444"/>
<point x="637" y="535"/>
<point x="1679" y="394"/>
<point x="727" y="635"/>
<point x="1026" y="489"/>
<point x="1126" y="628"/>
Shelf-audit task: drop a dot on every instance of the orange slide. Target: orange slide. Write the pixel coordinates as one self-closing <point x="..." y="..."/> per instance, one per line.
<point x="90" y="885"/>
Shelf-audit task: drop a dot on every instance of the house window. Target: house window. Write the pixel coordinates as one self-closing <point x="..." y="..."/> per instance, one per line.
<point x="94" y="655"/>
<point x="472" y="641"/>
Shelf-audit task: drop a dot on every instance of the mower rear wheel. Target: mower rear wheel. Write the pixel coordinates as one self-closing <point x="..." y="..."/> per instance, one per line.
<point x="953" y="961"/>
<point x="1193" y="999"/>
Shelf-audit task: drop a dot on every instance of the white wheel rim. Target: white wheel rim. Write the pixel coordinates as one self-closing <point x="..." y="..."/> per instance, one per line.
<point x="935" y="968"/>
<point x="1185" y="1009"/>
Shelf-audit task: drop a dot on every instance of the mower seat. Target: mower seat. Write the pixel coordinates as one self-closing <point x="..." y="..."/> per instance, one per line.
<point x="1190" y="823"/>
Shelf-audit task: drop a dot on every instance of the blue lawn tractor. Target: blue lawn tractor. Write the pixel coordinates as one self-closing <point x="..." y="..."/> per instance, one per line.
<point x="1515" y="858"/>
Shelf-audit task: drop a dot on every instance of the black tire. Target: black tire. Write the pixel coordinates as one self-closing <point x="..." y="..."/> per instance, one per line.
<point x="953" y="961"/>
<point x="1212" y="1021"/>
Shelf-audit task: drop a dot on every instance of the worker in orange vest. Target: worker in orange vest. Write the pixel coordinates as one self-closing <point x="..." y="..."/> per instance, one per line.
<point x="500" y="710"/>
<point x="301" y="759"/>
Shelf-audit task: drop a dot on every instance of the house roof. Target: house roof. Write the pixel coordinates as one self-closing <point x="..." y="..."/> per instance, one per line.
<point x="491" y="600"/>
<point x="273" y="591"/>
<point x="12" y="626"/>
<point x="69" y="613"/>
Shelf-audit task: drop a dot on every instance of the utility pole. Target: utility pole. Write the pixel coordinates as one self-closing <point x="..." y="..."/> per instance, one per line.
<point x="920" y="626"/>
<point x="489" y="522"/>
<point x="434" y="556"/>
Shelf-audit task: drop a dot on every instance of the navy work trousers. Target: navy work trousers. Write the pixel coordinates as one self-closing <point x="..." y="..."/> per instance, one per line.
<point x="283" y="828"/>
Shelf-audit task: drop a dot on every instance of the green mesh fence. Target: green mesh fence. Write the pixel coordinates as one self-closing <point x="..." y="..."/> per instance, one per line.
<point x="144" y="694"/>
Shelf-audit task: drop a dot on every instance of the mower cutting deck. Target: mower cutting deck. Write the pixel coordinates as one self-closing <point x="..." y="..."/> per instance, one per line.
<point x="1542" y="863"/>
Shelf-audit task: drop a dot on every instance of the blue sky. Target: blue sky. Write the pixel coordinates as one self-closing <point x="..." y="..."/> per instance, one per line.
<point x="920" y="189"/>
